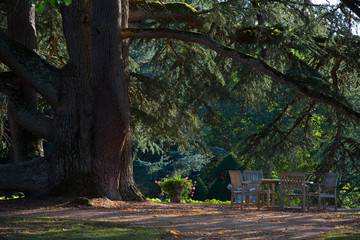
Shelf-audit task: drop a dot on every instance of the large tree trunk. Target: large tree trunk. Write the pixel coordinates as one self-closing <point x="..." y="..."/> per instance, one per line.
<point x="73" y="145"/>
<point x="112" y="163"/>
<point x="92" y="150"/>
<point x="21" y="26"/>
<point x="90" y="133"/>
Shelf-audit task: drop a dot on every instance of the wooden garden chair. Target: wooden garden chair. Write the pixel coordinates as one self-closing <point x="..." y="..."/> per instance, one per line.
<point x="292" y="185"/>
<point x="254" y="177"/>
<point x="240" y="187"/>
<point x="326" y="189"/>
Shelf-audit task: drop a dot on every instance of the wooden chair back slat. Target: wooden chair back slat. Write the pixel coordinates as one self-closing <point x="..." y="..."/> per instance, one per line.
<point x="330" y="181"/>
<point x="235" y="178"/>
<point x="292" y="185"/>
<point x="292" y="180"/>
<point x="253" y="176"/>
<point x="240" y="187"/>
<point x="326" y="189"/>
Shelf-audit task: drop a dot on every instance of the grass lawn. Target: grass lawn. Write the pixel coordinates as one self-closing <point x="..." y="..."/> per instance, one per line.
<point x="343" y="233"/>
<point x="49" y="228"/>
<point x="347" y="232"/>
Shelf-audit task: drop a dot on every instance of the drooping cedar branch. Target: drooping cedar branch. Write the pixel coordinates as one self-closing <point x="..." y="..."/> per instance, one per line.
<point x="8" y="89"/>
<point x="296" y="124"/>
<point x="254" y="139"/>
<point x="315" y="88"/>
<point x="33" y="121"/>
<point x="30" y="68"/>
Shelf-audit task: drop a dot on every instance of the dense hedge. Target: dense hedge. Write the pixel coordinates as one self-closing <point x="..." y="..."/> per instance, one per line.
<point x="201" y="190"/>
<point x="218" y="190"/>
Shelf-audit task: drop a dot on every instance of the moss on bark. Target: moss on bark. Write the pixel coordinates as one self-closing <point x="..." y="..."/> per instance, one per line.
<point x="161" y="7"/>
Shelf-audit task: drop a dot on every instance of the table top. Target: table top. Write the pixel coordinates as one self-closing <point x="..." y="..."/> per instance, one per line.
<point x="276" y="181"/>
<point x="268" y="180"/>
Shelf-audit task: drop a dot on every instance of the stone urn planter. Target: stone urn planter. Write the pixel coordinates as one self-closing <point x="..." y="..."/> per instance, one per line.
<point x="176" y="195"/>
<point x="175" y="199"/>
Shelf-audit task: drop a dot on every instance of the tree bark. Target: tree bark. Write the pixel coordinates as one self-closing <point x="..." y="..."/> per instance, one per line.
<point x="21" y="26"/>
<point x="91" y="150"/>
<point x="31" y="177"/>
<point x="72" y="147"/>
<point x="112" y="161"/>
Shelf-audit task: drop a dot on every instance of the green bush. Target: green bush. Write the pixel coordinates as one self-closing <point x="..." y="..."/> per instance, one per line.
<point x="206" y="201"/>
<point x="201" y="190"/>
<point x="228" y="163"/>
<point x="350" y="196"/>
<point x="218" y="190"/>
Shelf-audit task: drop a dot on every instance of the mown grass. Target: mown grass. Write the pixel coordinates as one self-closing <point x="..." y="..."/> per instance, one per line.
<point x="343" y="233"/>
<point x="346" y="232"/>
<point x="53" y="229"/>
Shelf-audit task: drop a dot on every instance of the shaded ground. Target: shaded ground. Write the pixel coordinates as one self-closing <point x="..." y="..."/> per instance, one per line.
<point x="193" y="221"/>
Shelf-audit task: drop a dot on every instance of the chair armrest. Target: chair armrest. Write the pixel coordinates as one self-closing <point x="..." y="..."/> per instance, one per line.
<point x="316" y="186"/>
<point x="246" y="185"/>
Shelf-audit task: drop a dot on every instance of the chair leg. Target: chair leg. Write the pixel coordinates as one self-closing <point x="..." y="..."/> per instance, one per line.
<point x="307" y="202"/>
<point x="242" y="201"/>
<point x="256" y="200"/>
<point x="303" y="203"/>
<point x="319" y="202"/>
<point x="232" y="200"/>
<point x="273" y="195"/>
<point x="281" y="202"/>
<point x="263" y="200"/>
<point x="335" y="203"/>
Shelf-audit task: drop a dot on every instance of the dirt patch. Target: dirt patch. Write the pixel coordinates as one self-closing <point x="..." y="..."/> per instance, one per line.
<point x="193" y="221"/>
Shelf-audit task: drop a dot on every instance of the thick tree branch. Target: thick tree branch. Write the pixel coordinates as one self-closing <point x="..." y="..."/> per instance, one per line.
<point x="184" y="13"/>
<point x="180" y="12"/>
<point x="313" y="87"/>
<point x="33" y="176"/>
<point x="33" y="121"/>
<point x="7" y="89"/>
<point x="354" y="6"/>
<point x="325" y="166"/>
<point x="8" y="77"/>
<point x="30" y="68"/>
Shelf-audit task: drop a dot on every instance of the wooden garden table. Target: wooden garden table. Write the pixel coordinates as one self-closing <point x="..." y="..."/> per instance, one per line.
<point x="273" y="182"/>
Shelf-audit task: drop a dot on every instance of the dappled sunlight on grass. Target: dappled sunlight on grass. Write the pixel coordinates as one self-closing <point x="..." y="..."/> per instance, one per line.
<point x="48" y="228"/>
